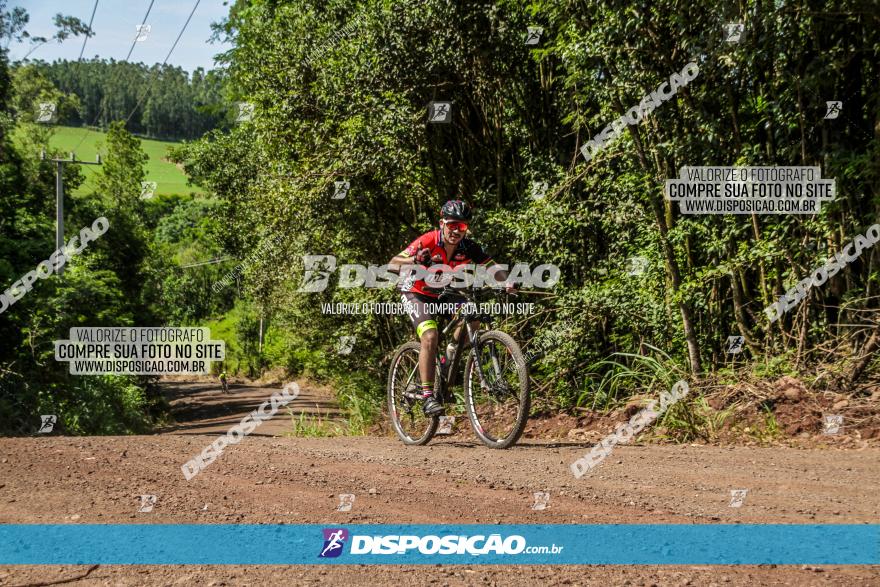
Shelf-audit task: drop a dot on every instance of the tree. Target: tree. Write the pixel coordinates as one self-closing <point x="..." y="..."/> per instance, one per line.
<point x="340" y="93"/>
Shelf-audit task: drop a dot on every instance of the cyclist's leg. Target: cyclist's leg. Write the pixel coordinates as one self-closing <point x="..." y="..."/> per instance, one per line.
<point x="428" y="336"/>
<point x="426" y="329"/>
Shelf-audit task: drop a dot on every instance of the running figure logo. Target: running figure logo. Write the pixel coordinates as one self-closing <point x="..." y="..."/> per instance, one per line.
<point x="636" y="265"/>
<point x="317" y="272"/>
<point x="341" y="188"/>
<point x="534" y="35"/>
<point x="47" y="424"/>
<point x="737" y="496"/>
<point x="833" y="109"/>
<point x="735" y="344"/>
<point x="440" y="112"/>
<point x="46" y="112"/>
<point x="539" y="190"/>
<point x="832" y="423"/>
<point x="143" y="32"/>
<point x="542" y="500"/>
<point x="334" y="540"/>
<point x="148" y="189"/>
<point x="147" y="503"/>
<point x="346" y="500"/>
<point x="446" y="424"/>
<point x="345" y="344"/>
<point x="245" y="112"/>
<point x="733" y="31"/>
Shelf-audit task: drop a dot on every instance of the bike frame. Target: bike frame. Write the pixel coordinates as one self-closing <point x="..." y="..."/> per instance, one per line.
<point x="465" y="314"/>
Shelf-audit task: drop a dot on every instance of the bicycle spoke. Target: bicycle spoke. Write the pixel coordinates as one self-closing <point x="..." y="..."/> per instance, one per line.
<point x="497" y="407"/>
<point x="405" y="409"/>
<point x="412" y="375"/>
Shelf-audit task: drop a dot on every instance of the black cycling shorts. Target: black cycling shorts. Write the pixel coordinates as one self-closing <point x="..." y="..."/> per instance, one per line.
<point x="423" y="310"/>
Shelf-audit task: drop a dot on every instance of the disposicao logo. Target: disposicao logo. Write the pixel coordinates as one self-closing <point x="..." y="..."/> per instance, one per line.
<point x="443" y="545"/>
<point x="334" y="541"/>
<point x="480" y="544"/>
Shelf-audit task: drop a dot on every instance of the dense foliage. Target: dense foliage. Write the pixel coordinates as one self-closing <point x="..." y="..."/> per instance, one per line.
<point x="157" y="101"/>
<point x="102" y="286"/>
<point x="340" y="90"/>
<point x="353" y="107"/>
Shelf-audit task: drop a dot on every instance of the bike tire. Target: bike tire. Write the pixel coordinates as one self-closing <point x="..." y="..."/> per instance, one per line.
<point x="523" y="396"/>
<point x="392" y="392"/>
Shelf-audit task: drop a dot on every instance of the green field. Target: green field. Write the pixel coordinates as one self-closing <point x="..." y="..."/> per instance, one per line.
<point x="168" y="177"/>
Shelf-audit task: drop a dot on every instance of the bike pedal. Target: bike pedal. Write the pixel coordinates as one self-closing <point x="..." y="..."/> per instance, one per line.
<point x="447" y="426"/>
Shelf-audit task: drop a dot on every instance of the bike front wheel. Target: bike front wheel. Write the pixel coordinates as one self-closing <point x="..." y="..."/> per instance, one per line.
<point x="498" y="401"/>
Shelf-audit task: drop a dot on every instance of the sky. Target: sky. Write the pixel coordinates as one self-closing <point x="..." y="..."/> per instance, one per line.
<point x="115" y="29"/>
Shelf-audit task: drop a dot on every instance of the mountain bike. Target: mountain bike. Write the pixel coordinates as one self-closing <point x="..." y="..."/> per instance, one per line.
<point x="495" y="380"/>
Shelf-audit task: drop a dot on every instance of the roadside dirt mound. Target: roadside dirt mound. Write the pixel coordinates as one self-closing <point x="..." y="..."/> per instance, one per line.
<point x="783" y="410"/>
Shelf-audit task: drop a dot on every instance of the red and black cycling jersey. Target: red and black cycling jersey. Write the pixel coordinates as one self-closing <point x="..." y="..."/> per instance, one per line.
<point x="466" y="252"/>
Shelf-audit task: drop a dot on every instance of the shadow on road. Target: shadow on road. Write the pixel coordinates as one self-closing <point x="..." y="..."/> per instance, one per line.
<point x="203" y="408"/>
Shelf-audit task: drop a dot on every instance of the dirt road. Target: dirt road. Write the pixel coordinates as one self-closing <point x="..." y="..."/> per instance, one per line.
<point x="202" y="408"/>
<point x="454" y="480"/>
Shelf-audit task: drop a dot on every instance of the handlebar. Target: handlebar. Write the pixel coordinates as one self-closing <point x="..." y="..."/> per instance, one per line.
<point x="473" y="292"/>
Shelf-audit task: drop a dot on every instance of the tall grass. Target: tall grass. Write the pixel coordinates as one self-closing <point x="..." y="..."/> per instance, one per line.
<point x="611" y="382"/>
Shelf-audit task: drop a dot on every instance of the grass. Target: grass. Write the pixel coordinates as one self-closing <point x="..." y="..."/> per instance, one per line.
<point x="694" y="418"/>
<point x="618" y="381"/>
<point x="168" y="177"/>
<point x="360" y="409"/>
<point x="770" y="431"/>
<point x="314" y="426"/>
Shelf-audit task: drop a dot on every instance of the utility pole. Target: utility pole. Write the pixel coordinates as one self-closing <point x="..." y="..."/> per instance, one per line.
<point x="59" y="195"/>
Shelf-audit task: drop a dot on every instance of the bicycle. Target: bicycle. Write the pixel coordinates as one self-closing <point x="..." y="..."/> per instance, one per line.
<point x="495" y="381"/>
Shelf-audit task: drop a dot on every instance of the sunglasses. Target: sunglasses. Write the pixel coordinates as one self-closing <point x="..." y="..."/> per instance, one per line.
<point x="456" y="226"/>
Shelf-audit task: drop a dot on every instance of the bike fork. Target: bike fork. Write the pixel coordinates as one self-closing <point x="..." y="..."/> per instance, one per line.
<point x="474" y="335"/>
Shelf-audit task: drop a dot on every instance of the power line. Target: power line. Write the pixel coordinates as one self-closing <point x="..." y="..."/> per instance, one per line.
<point x="103" y="103"/>
<point x="167" y="57"/>
<point x="211" y="262"/>
<point x="35" y="47"/>
<point x="86" y="39"/>
<point x="143" y="22"/>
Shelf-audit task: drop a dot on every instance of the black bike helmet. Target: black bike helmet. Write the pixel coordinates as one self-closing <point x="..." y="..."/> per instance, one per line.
<point x="456" y="210"/>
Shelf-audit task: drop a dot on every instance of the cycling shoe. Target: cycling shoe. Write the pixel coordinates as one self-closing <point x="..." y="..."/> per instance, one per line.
<point x="432" y="407"/>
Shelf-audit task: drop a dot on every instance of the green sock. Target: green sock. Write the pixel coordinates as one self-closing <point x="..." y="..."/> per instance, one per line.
<point x="427" y="388"/>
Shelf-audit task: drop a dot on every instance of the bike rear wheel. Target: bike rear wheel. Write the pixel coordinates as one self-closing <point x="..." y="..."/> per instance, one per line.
<point x="498" y="407"/>
<point x="404" y="404"/>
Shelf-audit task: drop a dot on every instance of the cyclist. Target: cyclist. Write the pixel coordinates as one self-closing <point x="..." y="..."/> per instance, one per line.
<point x="223" y="381"/>
<point x="447" y="246"/>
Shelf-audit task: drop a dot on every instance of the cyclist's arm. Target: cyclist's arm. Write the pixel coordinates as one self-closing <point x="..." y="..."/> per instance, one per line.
<point x="501" y="277"/>
<point x="407" y="256"/>
<point x="399" y="261"/>
<point x="481" y="257"/>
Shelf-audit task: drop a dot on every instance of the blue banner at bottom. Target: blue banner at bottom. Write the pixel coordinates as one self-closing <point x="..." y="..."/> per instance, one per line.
<point x="523" y="544"/>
